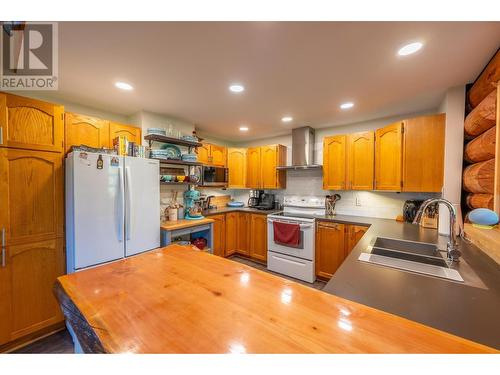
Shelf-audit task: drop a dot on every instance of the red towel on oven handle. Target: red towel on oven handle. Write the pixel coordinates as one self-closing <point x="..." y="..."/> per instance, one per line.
<point x="286" y="234"/>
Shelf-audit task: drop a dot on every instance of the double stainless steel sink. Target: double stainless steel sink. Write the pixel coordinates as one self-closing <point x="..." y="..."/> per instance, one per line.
<point x="418" y="257"/>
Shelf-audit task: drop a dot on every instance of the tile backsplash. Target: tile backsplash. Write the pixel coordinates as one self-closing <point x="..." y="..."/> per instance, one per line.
<point x="386" y="205"/>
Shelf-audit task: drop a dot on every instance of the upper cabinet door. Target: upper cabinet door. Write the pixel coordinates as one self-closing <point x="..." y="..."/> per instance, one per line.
<point x="218" y="155"/>
<point x="203" y="153"/>
<point x="334" y="163"/>
<point x="85" y="130"/>
<point x="31" y="195"/>
<point x="361" y="161"/>
<point x="253" y="168"/>
<point x="236" y="163"/>
<point x="132" y="133"/>
<point x="30" y="124"/>
<point x="388" y="157"/>
<point x="423" y="165"/>
<point x="268" y="162"/>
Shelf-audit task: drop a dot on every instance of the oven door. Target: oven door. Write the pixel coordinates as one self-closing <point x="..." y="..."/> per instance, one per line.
<point x="214" y="176"/>
<point x="305" y="250"/>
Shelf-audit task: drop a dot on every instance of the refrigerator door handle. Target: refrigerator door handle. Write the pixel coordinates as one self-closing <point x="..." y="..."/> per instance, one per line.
<point x="128" y="210"/>
<point x="121" y="219"/>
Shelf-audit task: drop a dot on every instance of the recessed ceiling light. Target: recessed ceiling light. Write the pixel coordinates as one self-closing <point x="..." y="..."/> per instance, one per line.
<point x="124" y="86"/>
<point x="237" y="88"/>
<point x="287" y="119"/>
<point x="244" y="128"/>
<point x="347" y="105"/>
<point x="410" y="48"/>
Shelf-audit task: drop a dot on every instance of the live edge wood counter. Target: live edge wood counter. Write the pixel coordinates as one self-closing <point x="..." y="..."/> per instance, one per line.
<point x="179" y="300"/>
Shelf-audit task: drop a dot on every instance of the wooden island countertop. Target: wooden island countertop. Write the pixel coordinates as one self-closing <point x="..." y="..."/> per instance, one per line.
<point x="179" y="300"/>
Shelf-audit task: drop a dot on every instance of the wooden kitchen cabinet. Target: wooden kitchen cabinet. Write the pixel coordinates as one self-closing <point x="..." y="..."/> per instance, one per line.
<point x="261" y="167"/>
<point x="388" y="157"/>
<point x="28" y="304"/>
<point x="203" y="153"/>
<point x="232" y="224"/>
<point x="360" y="161"/>
<point x="243" y="233"/>
<point x="353" y="234"/>
<point x="219" y="242"/>
<point x="330" y="248"/>
<point x="30" y="124"/>
<point x="253" y="168"/>
<point x="334" y="162"/>
<point x="219" y="155"/>
<point x="271" y="157"/>
<point x="85" y="130"/>
<point x="258" y="237"/>
<point x="211" y="154"/>
<point x="237" y="165"/>
<point x="409" y="155"/>
<point x="423" y="156"/>
<point x="31" y="195"/>
<point x="132" y="133"/>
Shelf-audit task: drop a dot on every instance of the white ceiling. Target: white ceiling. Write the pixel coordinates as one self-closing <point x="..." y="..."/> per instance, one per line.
<point x="302" y="69"/>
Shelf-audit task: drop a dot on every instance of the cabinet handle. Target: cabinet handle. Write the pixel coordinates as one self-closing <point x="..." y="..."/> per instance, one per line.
<point x="1" y="135"/>
<point x="3" y="247"/>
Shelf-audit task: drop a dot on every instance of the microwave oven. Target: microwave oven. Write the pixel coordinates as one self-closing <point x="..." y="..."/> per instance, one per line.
<point x="214" y="176"/>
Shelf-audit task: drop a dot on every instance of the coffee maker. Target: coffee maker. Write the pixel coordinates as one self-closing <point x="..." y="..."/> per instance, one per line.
<point x="266" y="202"/>
<point x="254" y="199"/>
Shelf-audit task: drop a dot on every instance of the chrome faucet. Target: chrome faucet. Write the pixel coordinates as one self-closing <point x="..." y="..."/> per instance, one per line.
<point x="452" y="246"/>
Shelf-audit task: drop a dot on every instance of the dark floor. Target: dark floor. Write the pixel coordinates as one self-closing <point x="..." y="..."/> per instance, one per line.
<point x="61" y="343"/>
<point x="58" y="343"/>
<point x="318" y="284"/>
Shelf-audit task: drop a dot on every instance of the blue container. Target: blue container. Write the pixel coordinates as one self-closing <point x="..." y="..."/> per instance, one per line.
<point x="483" y="216"/>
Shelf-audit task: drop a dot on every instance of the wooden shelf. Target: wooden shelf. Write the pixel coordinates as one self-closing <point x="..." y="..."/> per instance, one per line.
<point x="175" y="141"/>
<point x="176" y="183"/>
<point x="177" y="162"/>
<point x="488" y="240"/>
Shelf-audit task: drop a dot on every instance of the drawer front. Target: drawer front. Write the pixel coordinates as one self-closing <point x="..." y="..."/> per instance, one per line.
<point x="298" y="268"/>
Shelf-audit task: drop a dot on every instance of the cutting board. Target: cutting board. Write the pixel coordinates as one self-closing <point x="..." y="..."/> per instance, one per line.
<point x="220" y="200"/>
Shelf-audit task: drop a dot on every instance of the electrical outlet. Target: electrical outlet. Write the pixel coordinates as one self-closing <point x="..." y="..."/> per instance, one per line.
<point x="358" y="201"/>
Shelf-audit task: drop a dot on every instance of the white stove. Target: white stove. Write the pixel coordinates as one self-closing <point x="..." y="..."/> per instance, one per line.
<point x="295" y="261"/>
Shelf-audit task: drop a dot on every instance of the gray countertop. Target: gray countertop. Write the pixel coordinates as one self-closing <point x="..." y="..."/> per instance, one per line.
<point x="464" y="310"/>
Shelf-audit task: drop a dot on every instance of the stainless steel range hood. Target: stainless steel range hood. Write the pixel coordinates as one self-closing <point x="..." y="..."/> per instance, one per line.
<point x="302" y="149"/>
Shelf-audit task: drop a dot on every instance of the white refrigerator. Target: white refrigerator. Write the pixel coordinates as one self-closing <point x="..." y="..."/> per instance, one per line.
<point x="112" y="208"/>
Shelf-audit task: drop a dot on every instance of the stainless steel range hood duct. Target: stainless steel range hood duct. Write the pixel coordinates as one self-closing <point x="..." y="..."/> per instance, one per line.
<point x="302" y="149"/>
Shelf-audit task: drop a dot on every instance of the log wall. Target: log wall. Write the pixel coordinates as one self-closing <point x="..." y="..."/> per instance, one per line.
<point x="480" y="128"/>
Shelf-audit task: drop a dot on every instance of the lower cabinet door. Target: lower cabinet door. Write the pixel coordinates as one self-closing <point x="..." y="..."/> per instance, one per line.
<point x="243" y="233"/>
<point x="219" y="243"/>
<point x="232" y="220"/>
<point x="353" y="235"/>
<point x="330" y="248"/>
<point x="258" y="237"/>
<point x="28" y="277"/>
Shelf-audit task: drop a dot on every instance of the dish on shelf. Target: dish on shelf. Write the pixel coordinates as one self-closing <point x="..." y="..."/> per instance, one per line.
<point x="189" y="157"/>
<point x="169" y="151"/>
<point x="157" y="131"/>
<point x="189" y="138"/>
<point x="181" y="178"/>
<point x="166" y="178"/>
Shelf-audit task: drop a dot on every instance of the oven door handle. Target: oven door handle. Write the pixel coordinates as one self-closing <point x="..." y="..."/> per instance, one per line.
<point x="302" y="226"/>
